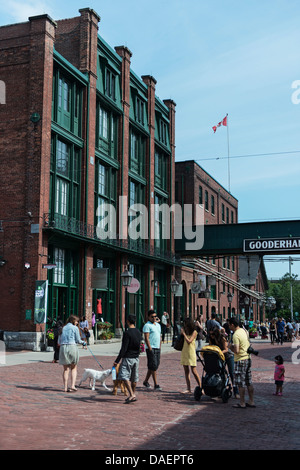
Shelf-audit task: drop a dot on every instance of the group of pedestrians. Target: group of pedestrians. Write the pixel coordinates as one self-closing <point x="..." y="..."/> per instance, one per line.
<point x="231" y="338"/>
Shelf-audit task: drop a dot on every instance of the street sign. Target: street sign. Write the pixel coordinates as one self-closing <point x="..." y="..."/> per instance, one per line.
<point x="134" y="286"/>
<point x="272" y="244"/>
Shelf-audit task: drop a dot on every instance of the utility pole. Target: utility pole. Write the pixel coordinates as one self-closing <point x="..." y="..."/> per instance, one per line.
<point x="291" y="284"/>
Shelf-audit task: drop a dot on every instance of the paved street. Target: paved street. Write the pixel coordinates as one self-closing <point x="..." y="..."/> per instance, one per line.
<point x="37" y="414"/>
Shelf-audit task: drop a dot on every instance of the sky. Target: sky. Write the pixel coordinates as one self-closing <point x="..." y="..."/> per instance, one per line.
<point x="213" y="59"/>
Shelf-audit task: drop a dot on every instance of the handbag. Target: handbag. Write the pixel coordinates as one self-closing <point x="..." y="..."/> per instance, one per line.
<point x="178" y="344"/>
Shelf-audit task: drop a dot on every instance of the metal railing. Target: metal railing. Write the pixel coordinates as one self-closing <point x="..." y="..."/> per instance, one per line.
<point x="74" y="227"/>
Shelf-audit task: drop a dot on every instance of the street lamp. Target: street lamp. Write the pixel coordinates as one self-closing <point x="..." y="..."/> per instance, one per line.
<point x="247" y="303"/>
<point x="229" y="297"/>
<point x="174" y="289"/>
<point x="207" y="296"/>
<point x="126" y="278"/>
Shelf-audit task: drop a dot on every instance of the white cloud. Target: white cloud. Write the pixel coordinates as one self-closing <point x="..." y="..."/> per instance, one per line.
<point x="19" y="11"/>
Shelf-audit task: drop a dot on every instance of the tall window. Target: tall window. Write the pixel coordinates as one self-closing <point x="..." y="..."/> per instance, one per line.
<point x="200" y="195"/>
<point x="110" y="84"/>
<point x="59" y="272"/>
<point x="67" y="103"/>
<point x="212" y="202"/>
<point x="107" y="131"/>
<point x="160" y="241"/>
<point x="137" y="153"/>
<point x="103" y="123"/>
<point x="105" y="196"/>
<point x="206" y="200"/>
<point x="163" y="132"/>
<point x="65" y="178"/>
<point x="139" y="110"/>
<point x="161" y="170"/>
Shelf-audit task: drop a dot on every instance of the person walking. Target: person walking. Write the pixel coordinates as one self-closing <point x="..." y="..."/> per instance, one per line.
<point x="273" y="330"/>
<point x="129" y="353"/>
<point x="152" y="334"/>
<point x="188" y="354"/>
<point x="279" y="375"/>
<point x="280" y="328"/>
<point x="84" y="330"/>
<point x="164" y="322"/>
<point x="212" y="323"/>
<point x="242" y="363"/>
<point x="68" y="352"/>
<point x="57" y="329"/>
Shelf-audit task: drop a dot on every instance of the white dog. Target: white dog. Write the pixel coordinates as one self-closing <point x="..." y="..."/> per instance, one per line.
<point x="96" y="375"/>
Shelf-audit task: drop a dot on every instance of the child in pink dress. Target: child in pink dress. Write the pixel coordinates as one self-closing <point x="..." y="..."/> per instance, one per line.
<point x="279" y="375"/>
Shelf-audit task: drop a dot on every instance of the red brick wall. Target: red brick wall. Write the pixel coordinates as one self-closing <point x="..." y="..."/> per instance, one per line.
<point x="26" y="53"/>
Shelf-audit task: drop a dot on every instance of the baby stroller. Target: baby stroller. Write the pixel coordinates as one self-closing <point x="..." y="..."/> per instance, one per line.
<point x="215" y="378"/>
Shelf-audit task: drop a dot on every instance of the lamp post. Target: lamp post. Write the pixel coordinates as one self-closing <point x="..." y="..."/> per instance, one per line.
<point x="174" y="289"/>
<point x="229" y="297"/>
<point x="207" y="296"/>
<point x="247" y="302"/>
<point x="126" y="278"/>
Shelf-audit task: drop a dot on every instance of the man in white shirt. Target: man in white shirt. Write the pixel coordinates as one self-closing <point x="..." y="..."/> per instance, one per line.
<point x="152" y="333"/>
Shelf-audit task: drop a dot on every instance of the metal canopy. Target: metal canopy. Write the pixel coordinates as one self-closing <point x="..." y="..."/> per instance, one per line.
<point x="281" y="237"/>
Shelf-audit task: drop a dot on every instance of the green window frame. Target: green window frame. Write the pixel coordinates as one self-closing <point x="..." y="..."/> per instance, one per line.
<point x="137" y="151"/>
<point x="65" y="178"/>
<point x="67" y="102"/>
<point x="161" y="170"/>
<point x="107" y="131"/>
<point x="200" y="195"/>
<point x="212" y="204"/>
<point x="105" y="192"/>
<point x="110" y="84"/>
<point x="206" y="200"/>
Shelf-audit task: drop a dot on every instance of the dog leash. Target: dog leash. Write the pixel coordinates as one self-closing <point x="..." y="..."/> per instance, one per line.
<point x="94" y="357"/>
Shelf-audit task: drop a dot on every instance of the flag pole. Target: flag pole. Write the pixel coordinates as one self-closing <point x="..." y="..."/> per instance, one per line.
<point x="228" y="153"/>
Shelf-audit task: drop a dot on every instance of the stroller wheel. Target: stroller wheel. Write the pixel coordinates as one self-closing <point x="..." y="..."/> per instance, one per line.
<point x="225" y="395"/>
<point x="198" y="393"/>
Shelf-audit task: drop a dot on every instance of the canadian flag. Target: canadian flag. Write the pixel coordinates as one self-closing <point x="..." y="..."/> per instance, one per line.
<point x="221" y="123"/>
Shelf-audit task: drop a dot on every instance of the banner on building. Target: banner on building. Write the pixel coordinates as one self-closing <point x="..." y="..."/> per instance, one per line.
<point x="40" y="302"/>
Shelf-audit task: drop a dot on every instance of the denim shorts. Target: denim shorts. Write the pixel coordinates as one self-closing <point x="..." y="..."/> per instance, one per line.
<point x="153" y="359"/>
<point x="129" y="369"/>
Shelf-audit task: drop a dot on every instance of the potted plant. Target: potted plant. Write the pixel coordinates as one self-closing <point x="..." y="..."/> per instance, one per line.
<point x="103" y="329"/>
<point x="50" y="337"/>
<point x="253" y="332"/>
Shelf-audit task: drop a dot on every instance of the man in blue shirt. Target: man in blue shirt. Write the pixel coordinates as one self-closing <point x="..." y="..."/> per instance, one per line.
<point x="280" y="325"/>
<point x="152" y="333"/>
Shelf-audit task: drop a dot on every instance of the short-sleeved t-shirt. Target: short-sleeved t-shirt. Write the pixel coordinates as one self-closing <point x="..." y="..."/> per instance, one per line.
<point x="280" y="326"/>
<point x="240" y="338"/>
<point x="154" y="331"/>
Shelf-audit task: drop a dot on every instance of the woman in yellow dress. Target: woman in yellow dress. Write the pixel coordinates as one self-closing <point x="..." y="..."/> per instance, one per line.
<point x="188" y="353"/>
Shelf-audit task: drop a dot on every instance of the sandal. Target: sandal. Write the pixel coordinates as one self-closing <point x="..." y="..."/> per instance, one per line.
<point x="130" y="400"/>
<point x="71" y="390"/>
<point x="186" y="392"/>
<point x="239" y="406"/>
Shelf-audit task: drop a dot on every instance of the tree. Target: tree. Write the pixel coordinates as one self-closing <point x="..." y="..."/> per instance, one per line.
<point x="281" y="291"/>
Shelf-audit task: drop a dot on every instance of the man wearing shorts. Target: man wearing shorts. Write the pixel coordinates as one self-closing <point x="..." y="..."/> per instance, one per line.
<point x="242" y="363"/>
<point x="129" y="353"/>
<point x="152" y="333"/>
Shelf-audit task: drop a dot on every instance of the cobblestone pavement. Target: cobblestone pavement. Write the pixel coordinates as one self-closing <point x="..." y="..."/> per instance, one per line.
<point x="37" y="414"/>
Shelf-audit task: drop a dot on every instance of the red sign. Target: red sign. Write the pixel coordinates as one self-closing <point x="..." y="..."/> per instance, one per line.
<point x="134" y="286"/>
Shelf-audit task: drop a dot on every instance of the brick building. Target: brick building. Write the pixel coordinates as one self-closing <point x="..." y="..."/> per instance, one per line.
<point x="79" y="132"/>
<point x="229" y="288"/>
